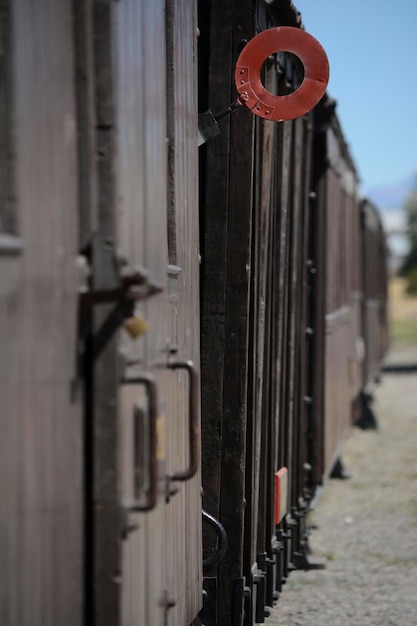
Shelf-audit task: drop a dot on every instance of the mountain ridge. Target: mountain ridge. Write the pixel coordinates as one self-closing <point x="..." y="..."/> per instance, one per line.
<point x="392" y="196"/>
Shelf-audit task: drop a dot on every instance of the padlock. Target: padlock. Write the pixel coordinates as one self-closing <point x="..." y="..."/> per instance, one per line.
<point x="136" y="326"/>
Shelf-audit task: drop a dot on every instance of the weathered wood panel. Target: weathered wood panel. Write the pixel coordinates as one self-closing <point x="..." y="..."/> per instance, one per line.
<point x="317" y="270"/>
<point x="338" y="324"/>
<point x="226" y="259"/>
<point x="303" y="372"/>
<point x="140" y="108"/>
<point x="214" y="83"/>
<point x="41" y="443"/>
<point x="158" y="229"/>
<point x="343" y="320"/>
<point x="184" y="537"/>
<point x="374" y="289"/>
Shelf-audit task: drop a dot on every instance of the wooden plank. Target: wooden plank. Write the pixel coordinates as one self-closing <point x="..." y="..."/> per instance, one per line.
<point x="162" y="558"/>
<point x="306" y="373"/>
<point x="214" y="47"/>
<point x="140" y="100"/>
<point x="184" y="532"/>
<point x="226" y="258"/>
<point x="259" y="413"/>
<point x="41" y="504"/>
<point x="153" y="109"/>
<point x="285" y="212"/>
<point x="256" y="362"/>
<point x="267" y="418"/>
<point x="8" y="215"/>
<point x="319" y="298"/>
<point x="86" y="140"/>
<point x="302" y="152"/>
<point x="236" y="326"/>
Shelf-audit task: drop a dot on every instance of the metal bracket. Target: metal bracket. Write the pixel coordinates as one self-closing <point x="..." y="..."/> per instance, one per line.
<point x="271" y="597"/>
<point x="367" y="419"/>
<point x="339" y="471"/>
<point x="240" y="593"/>
<point x="278" y="549"/>
<point x="208" y="122"/>
<point x="110" y="282"/>
<point x="132" y="286"/>
<point x="208" y="614"/>
<point x="259" y="582"/>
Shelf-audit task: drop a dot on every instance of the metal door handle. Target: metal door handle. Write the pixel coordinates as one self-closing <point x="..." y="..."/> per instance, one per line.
<point x="149" y="381"/>
<point x="193" y="418"/>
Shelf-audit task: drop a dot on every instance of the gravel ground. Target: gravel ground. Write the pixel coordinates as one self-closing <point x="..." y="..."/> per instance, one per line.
<point x="366" y="526"/>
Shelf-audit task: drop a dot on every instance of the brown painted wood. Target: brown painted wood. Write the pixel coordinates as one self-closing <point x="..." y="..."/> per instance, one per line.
<point x="374" y="271"/>
<point x="226" y="260"/>
<point x="319" y="297"/>
<point x="236" y="325"/>
<point x="140" y="103"/>
<point x="339" y="283"/>
<point x="216" y="58"/>
<point x="156" y="107"/>
<point x="8" y="215"/>
<point x="256" y="416"/>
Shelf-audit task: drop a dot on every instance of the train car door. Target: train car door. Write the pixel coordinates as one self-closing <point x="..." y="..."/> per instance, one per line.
<point x="145" y="563"/>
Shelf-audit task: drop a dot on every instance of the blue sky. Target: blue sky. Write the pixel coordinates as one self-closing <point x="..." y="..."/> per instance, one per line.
<point x="372" y="50"/>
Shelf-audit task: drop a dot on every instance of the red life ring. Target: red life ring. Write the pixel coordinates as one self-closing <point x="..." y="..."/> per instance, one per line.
<point x="249" y="65"/>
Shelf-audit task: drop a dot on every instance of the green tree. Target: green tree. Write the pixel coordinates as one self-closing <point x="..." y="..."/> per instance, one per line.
<point x="410" y="261"/>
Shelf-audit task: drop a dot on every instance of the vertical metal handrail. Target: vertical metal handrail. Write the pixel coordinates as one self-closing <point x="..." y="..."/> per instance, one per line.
<point x="193" y="418"/>
<point x="150" y="383"/>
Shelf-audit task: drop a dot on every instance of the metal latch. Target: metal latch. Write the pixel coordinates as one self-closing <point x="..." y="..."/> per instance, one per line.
<point x="106" y="280"/>
<point x="208" y="122"/>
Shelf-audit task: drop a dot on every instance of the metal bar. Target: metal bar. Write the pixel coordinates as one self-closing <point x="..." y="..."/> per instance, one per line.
<point x="109" y="326"/>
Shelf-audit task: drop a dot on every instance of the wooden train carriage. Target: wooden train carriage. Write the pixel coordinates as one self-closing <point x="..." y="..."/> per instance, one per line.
<point x="100" y="506"/>
<point x="99" y="215"/>
<point x="374" y="268"/>
<point x="144" y="509"/>
<point x="282" y="293"/>
<point x="41" y="461"/>
<point x="256" y="291"/>
<point x="338" y="293"/>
